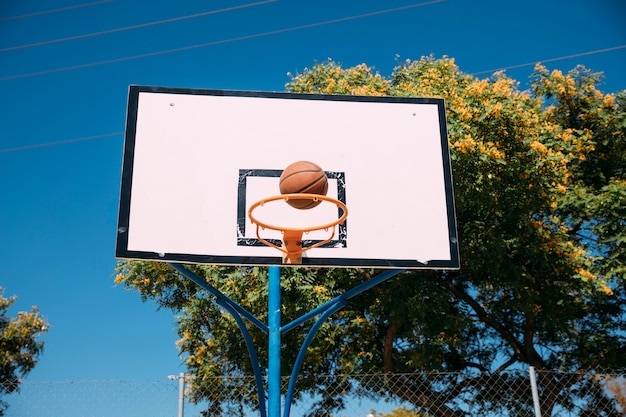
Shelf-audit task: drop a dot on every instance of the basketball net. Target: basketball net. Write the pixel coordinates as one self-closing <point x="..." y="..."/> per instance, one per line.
<point x="292" y="243"/>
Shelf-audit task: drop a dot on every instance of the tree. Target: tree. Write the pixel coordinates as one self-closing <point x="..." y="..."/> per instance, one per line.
<point x="595" y="206"/>
<point x="540" y="199"/>
<point x="19" y="347"/>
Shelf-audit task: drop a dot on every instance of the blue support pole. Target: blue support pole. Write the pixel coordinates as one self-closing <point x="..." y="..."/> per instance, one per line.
<point x="273" y="372"/>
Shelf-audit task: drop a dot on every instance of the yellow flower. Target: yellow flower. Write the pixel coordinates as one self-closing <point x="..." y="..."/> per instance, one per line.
<point x="587" y="275"/>
<point x="557" y="75"/>
<point x="539" y="147"/>
<point x="502" y="86"/>
<point x="497" y="109"/>
<point x="609" y="100"/>
<point x="606" y="289"/>
<point x="478" y="87"/>
<point x="320" y="289"/>
<point x="468" y="144"/>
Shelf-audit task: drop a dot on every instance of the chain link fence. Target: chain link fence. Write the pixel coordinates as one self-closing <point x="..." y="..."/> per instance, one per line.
<point x="426" y="394"/>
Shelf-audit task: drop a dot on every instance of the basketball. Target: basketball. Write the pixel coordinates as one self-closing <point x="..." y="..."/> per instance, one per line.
<point x="303" y="177"/>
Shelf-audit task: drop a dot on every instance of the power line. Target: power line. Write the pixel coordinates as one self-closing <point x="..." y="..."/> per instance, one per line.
<point x="597" y="51"/>
<point x="220" y="42"/>
<point x="140" y="26"/>
<point x="560" y="58"/>
<point x="61" y="142"/>
<point x="62" y="9"/>
<point x="187" y="48"/>
<point x="615" y="48"/>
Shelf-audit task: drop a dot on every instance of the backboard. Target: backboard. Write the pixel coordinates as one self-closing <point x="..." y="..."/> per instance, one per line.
<point x="195" y="161"/>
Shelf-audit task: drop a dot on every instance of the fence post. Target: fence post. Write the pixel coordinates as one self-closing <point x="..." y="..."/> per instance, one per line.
<point x="181" y="392"/>
<point x="533" y="387"/>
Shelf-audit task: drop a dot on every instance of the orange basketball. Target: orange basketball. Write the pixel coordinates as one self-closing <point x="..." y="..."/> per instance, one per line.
<point x="303" y="177"/>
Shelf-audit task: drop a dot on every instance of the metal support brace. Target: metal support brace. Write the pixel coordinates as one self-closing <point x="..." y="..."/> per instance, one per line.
<point x="234" y="309"/>
<point x="325" y="311"/>
<point x="274" y="331"/>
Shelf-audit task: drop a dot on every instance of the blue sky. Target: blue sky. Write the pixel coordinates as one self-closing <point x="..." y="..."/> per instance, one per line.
<point x="65" y="68"/>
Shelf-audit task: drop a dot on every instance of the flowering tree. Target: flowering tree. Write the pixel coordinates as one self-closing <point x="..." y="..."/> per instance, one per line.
<point x="540" y="197"/>
<point x="19" y="347"/>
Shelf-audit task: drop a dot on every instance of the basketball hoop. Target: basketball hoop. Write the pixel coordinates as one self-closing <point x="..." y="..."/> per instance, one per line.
<point x="292" y="236"/>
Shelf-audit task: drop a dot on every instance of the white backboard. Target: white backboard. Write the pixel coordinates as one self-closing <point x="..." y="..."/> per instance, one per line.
<point x="196" y="160"/>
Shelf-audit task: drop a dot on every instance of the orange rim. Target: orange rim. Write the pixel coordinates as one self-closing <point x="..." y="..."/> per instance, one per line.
<point x="299" y="196"/>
